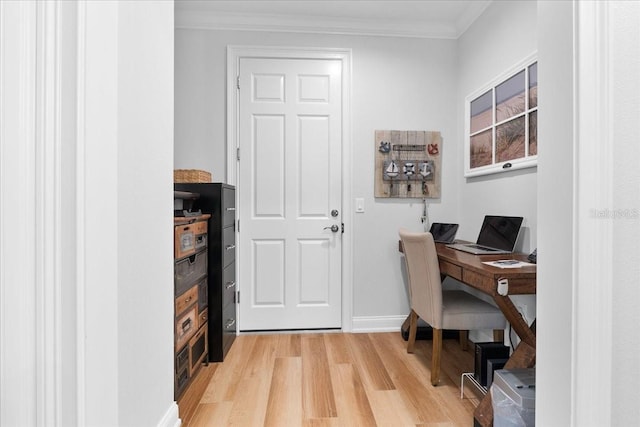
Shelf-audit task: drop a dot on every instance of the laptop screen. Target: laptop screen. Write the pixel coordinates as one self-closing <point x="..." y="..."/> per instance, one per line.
<point x="443" y="233"/>
<point x="500" y="232"/>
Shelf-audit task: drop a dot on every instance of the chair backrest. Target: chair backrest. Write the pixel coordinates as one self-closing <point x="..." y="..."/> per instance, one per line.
<point x="423" y="272"/>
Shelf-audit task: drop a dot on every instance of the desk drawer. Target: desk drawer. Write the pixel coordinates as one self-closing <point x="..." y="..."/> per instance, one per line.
<point x="186" y="326"/>
<point x="189" y="238"/>
<point x="198" y="347"/>
<point x="186" y="299"/>
<point x="451" y="270"/>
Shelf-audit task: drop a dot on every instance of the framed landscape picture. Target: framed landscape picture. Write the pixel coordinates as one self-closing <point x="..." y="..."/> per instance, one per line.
<point x="501" y="122"/>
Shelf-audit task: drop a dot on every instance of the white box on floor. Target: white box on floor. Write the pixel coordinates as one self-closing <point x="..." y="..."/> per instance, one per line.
<point x="513" y="394"/>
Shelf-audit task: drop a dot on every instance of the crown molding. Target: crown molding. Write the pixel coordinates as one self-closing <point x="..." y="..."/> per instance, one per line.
<point x="196" y="15"/>
<point x="471" y="13"/>
<point x="211" y="20"/>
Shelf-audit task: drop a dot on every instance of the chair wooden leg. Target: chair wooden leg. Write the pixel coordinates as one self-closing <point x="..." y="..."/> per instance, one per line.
<point x="464" y="340"/>
<point x="498" y="335"/>
<point x="435" y="356"/>
<point x="413" y="329"/>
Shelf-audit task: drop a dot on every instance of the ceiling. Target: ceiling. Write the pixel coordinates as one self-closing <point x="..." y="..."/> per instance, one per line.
<point x="418" y="18"/>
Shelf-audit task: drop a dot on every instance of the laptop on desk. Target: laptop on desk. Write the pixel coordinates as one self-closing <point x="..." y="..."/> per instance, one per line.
<point x="498" y="235"/>
<point x="443" y="233"/>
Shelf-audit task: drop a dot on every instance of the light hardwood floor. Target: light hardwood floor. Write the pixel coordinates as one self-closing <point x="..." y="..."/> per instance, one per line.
<point x="335" y="379"/>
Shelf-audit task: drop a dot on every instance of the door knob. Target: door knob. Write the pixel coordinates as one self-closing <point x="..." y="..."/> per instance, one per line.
<point x="334" y="213"/>
<point x="333" y="228"/>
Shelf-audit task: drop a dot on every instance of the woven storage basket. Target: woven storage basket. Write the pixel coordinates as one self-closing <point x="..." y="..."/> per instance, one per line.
<point x="191" y="175"/>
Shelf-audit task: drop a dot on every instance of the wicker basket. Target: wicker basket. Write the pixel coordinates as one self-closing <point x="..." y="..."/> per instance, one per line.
<point x="191" y="175"/>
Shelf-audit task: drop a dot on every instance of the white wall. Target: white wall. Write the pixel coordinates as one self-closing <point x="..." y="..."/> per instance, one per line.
<point x="125" y="197"/>
<point x="589" y="208"/>
<point x="97" y="258"/>
<point x="398" y="83"/>
<point x="556" y="213"/>
<point x="19" y="385"/>
<point x="87" y="280"/>
<point x="145" y="185"/>
<point x="625" y="115"/>
<point x="502" y="36"/>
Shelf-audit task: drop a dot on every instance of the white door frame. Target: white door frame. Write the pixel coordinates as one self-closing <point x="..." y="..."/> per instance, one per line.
<point x="234" y="54"/>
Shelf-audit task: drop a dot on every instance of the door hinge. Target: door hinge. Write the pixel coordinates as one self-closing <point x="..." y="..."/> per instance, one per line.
<point x="238" y="227"/>
<point x="238" y="153"/>
<point x="343" y="228"/>
<point x="238" y="82"/>
<point x="237" y="297"/>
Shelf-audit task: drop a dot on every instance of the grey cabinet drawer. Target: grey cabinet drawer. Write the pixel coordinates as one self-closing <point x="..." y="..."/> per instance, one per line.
<point x="228" y="326"/>
<point x="228" y="246"/>
<point x="228" y="284"/>
<point x="228" y="206"/>
<point x="229" y="318"/>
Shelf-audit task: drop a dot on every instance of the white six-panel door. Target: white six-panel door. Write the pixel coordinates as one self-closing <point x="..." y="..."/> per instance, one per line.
<point x="289" y="182"/>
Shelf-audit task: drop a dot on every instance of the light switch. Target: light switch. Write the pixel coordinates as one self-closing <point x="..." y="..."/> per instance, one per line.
<point x="359" y="205"/>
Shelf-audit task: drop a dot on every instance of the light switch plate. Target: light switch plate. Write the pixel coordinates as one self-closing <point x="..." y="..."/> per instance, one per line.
<point x="359" y="205"/>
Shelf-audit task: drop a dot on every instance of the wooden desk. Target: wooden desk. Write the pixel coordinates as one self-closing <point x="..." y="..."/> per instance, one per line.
<point x="470" y="270"/>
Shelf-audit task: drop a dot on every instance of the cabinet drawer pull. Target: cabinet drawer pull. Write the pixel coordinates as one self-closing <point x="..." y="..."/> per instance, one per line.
<point x="229" y="323"/>
<point x="229" y="247"/>
<point x="231" y="209"/>
<point x="188" y="300"/>
<point x="229" y="285"/>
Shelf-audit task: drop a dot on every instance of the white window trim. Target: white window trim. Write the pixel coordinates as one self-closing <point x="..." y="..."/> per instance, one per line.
<point x="496" y="167"/>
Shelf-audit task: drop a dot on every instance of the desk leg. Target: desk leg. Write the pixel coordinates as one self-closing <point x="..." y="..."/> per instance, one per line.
<point x="518" y="324"/>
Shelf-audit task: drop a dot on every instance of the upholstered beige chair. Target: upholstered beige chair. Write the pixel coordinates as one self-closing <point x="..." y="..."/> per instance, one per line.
<point x="454" y="310"/>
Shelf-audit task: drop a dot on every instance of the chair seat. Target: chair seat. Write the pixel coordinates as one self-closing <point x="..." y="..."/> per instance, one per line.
<point x="461" y="309"/>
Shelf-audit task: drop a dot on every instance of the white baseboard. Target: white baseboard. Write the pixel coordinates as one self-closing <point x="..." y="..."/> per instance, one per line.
<point x="171" y="417"/>
<point x="377" y="323"/>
